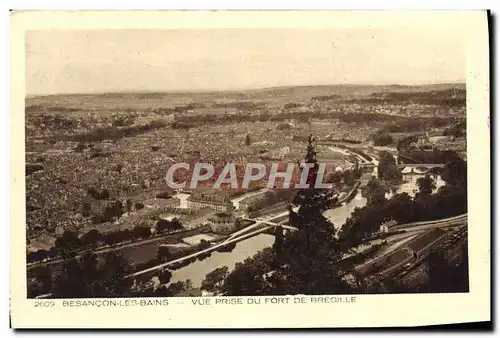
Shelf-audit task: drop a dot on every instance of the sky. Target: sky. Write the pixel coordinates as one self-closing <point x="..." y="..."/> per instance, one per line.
<point x="97" y="61"/>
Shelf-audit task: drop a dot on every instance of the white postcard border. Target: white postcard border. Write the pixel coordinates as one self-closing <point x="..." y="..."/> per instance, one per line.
<point x="368" y="310"/>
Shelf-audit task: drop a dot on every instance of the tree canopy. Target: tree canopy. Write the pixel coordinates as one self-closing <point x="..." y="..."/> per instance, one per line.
<point x="90" y="276"/>
<point x="387" y="167"/>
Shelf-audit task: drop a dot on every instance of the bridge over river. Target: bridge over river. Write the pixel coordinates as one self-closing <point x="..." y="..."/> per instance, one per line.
<point x="262" y="227"/>
<point x="410" y="165"/>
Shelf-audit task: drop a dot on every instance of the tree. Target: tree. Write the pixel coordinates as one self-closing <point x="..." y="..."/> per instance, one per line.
<point x="455" y="172"/>
<point x="443" y="276"/>
<point x="382" y="139"/>
<point x="79" y="147"/>
<point x="426" y="207"/>
<point x="141" y="232"/>
<point x="113" y="211"/>
<point x="93" y="277"/>
<point x="311" y="251"/>
<point x="360" y="225"/>
<point x="93" y="192"/>
<point x="164" y="276"/>
<point x="177" y="287"/>
<point x="438" y="272"/>
<point x="375" y="191"/>
<point x="457" y="130"/>
<point x="426" y="185"/>
<point x="86" y="208"/>
<point x="387" y="168"/>
<point x="213" y="280"/>
<point x="204" y="244"/>
<point x="104" y="194"/>
<point x="68" y="243"/>
<point x="278" y="246"/>
<point x="393" y="174"/>
<point x="163" y="253"/>
<point x="92" y="238"/>
<point x="451" y="200"/>
<point x="400" y="208"/>
<point x="227" y="248"/>
<point x="247" y="278"/>
<point x="347" y="177"/>
<point x="45" y="278"/>
<point x="36" y="256"/>
<point x="119" y="168"/>
<point x="164" y="195"/>
<point x="163" y="225"/>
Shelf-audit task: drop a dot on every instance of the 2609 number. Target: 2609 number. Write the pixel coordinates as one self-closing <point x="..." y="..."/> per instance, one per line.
<point x="45" y="303"/>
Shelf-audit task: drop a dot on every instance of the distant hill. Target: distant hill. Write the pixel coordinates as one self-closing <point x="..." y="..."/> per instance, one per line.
<point x="277" y="96"/>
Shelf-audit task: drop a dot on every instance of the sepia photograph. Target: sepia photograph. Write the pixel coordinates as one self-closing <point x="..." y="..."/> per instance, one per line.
<point x="329" y="163"/>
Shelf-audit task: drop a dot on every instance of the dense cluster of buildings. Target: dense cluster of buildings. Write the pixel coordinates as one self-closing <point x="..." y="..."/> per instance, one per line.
<point x="129" y="165"/>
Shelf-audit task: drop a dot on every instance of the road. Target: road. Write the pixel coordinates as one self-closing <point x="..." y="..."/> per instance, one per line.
<point x="198" y="253"/>
<point x="111" y="248"/>
<point x="347" y="152"/>
<point x="257" y="224"/>
<point x="422" y="165"/>
<point x="426" y="225"/>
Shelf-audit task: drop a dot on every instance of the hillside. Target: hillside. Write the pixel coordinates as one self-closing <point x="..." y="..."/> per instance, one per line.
<point x="271" y="96"/>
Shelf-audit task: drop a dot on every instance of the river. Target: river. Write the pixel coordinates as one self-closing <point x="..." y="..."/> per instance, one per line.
<point x="197" y="270"/>
<point x="339" y="215"/>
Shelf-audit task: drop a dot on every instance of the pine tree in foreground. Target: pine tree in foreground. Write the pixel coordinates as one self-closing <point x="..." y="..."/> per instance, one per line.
<point x="307" y="257"/>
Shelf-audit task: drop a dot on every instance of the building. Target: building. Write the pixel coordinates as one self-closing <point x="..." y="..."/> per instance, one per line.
<point x="198" y="218"/>
<point x="266" y="199"/>
<point x="59" y="230"/>
<point x="217" y="201"/>
<point x="222" y="223"/>
<point x="424" y="242"/>
<point x="145" y="223"/>
<point x="162" y="202"/>
<point x="42" y="242"/>
<point x="249" y="201"/>
<point x="387" y="226"/>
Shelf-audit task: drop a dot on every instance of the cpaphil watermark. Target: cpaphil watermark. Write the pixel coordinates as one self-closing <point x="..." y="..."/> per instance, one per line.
<point x="300" y="176"/>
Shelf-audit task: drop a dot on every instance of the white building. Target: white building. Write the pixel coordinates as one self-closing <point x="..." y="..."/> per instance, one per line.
<point x="387" y="226"/>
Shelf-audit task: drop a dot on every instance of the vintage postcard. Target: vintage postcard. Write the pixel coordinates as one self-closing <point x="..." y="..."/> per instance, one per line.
<point x="219" y="169"/>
